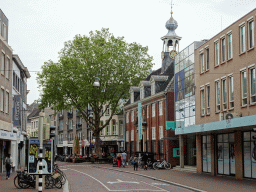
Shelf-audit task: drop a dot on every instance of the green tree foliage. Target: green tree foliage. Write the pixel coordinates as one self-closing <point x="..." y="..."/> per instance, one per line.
<point x="68" y="83"/>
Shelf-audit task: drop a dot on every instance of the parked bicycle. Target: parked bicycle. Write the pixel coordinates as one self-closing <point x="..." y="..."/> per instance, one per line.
<point x="23" y="180"/>
<point x="161" y="165"/>
<point x="62" y="174"/>
<point x="53" y="180"/>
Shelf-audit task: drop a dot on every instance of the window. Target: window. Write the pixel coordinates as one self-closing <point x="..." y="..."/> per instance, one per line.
<point x="244" y="87"/>
<point x="217" y="85"/>
<point x="224" y="94"/>
<point x="230" y="46"/>
<point x="114" y="127"/>
<point x="207" y="60"/>
<point x="242" y="39"/>
<point x="2" y="99"/>
<point x="148" y="111"/>
<point x="202" y="102"/>
<point x="231" y="92"/>
<point x="7" y="68"/>
<point x="127" y="136"/>
<point x="208" y="99"/>
<point x="216" y="53"/>
<point x="127" y="117"/>
<point x="108" y="130"/>
<point x="7" y="102"/>
<point x="2" y="63"/>
<point x="147" y="133"/>
<point x="223" y="49"/>
<point x="3" y="32"/>
<point x="252" y="86"/>
<point x="132" y="116"/>
<point x="153" y="110"/>
<point x="202" y="62"/>
<point x="160" y="108"/>
<point x="132" y="135"/>
<point x="132" y="97"/>
<point x="251" y="34"/>
<point x="161" y="133"/>
<point x="153" y="133"/>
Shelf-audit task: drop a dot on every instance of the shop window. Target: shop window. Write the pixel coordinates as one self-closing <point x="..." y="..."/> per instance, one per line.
<point x="206" y="150"/>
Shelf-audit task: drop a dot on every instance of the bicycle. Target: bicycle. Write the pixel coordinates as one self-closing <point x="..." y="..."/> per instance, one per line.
<point x="62" y="174"/>
<point x="161" y="165"/>
<point x="24" y="180"/>
<point x="52" y="181"/>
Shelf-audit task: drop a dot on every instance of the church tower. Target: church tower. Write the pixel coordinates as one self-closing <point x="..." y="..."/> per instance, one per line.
<point x="170" y="43"/>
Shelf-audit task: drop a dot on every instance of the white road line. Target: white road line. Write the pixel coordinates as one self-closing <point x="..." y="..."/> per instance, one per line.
<point x="137" y="190"/>
<point x="92" y="177"/>
<point x="154" y="186"/>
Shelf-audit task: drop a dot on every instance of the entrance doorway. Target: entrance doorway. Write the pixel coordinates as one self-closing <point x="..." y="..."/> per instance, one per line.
<point x="226" y="154"/>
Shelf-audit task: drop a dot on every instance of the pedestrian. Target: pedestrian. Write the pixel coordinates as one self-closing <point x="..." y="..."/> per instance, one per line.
<point x="119" y="159"/>
<point x="124" y="155"/>
<point x="145" y="159"/>
<point x="8" y="165"/>
<point x="135" y="160"/>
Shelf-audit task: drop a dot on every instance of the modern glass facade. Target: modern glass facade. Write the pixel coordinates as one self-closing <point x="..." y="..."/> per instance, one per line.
<point x="185" y="86"/>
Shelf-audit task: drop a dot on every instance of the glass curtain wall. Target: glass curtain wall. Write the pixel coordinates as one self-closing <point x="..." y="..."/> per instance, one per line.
<point x="184" y="88"/>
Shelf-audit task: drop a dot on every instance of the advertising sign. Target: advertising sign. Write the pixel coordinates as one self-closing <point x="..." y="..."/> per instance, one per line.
<point x="139" y="120"/>
<point x="17" y="107"/>
<point x="33" y="151"/>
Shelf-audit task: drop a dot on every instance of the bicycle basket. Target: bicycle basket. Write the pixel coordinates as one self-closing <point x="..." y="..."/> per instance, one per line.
<point x="56" y="175"/>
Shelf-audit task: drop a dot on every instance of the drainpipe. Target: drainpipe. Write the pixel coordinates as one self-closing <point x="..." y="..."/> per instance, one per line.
<point x="166" y="116"/>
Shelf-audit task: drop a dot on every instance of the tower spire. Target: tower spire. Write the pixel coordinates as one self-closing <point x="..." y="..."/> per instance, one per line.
<point x="171" y="8"/>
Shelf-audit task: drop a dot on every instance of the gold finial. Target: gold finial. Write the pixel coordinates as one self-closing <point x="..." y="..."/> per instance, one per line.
<point x="171" y="8"/>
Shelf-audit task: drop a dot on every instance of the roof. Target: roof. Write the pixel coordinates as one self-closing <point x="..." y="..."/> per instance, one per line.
<point x="34" y="113"/>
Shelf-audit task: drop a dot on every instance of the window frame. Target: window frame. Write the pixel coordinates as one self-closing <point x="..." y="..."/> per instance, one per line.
<point x="153" y="133"/>
<point x="250" y="35"/>
<point x="230" y="45"/>
<point x="2" y="63"/>
<point x="2" y="99"/>
<point x="208" y="99"/>
<point x="132" y="116"/>
<point x="216" y="53"/>
<point x="160" y="108"/>
<point x="230" y="101"/>
<point x="224" y="94"/>
<point x="242" y="38"/>
<point x="202" y="100"/>
<point x="217" y="94"/>
<point x="142" y="93"/>
<point x="161" y="132"/>
<point x="127" y="117"/>
<point x="114" y="127"/>
<point x="153" y="109"/>
<point x="223" y="49"/>
<point x="7" y="103"/>
<point x="7" y="67"/>
<point x="252" y="96"/>
<point x="202" y="62"/>
<point x="207" y="66"/>
<point x="132" y="135"/>
<point x="243" y="98"/>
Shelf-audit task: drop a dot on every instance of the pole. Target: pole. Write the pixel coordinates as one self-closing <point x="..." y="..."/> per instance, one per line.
<point x="40" y="157"/>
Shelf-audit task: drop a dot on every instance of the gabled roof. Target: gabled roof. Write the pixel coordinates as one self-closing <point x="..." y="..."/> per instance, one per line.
<point x="34" y="113"/>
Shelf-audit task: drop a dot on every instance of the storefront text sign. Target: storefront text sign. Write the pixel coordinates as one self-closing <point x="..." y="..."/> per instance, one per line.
<point x="7" y="135"/>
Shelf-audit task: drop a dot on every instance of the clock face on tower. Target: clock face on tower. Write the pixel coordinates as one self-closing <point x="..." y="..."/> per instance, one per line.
<point x="162" y="55"/>
<point x="172" y="54"/>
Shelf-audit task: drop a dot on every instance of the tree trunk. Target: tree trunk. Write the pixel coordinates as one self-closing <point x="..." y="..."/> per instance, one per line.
<point x="98" y="148"/>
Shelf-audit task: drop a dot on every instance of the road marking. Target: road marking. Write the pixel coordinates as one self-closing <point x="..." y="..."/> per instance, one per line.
<point x="154" y="186"/>
<point x="120" y="181"/>
<point x="92" y="177"/>
<point x="159" y="184"/>
<point x="63" y="169"/>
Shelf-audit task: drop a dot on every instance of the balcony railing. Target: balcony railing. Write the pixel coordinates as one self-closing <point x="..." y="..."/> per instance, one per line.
<point x="69" y="127"/>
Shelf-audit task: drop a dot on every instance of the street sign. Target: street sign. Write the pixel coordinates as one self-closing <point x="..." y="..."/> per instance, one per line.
<point x="170" y="125"/>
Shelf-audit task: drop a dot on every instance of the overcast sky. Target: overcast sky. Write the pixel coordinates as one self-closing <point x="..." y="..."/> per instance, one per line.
<point x="39" y="28"/>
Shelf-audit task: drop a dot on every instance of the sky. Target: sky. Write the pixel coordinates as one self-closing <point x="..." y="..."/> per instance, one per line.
<point x="39" y="28"/>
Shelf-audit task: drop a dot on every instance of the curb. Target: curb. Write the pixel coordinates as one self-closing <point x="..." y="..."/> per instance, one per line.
<point x="154" y="178"/>
<point x="66" y="186"/>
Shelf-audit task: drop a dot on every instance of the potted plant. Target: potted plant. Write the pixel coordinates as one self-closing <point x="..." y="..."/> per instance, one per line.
<point x="92" y="159"/>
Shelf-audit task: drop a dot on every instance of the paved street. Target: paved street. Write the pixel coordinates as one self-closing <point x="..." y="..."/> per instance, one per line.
<point x="105" y="177"/>
<point x="89" y="178"/>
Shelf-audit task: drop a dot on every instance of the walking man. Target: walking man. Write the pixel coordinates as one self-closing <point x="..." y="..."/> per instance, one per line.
<point x="124" y="155"/>
<point x="135" y="159"/>
<point x="8" y="165"/>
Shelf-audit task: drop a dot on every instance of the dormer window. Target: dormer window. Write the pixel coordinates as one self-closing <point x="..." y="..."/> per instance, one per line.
<point x="132" y="97"/>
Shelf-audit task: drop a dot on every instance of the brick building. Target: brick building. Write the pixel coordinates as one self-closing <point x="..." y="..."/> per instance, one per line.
<point x="154" y="100"/>
<point x="225" y="93"/>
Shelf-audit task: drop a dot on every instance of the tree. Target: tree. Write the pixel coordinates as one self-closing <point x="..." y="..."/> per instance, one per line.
<point x="68" y="83"/>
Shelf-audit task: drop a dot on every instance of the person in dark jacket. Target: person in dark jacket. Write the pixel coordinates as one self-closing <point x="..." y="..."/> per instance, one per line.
<point x="8" y="165"/>
<point x="145" y="159"/>
<point x="135" y="160"/>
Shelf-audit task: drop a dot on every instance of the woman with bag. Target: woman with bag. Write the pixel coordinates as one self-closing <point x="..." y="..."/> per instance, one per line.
<point x="8" y="165"/>
<point x="119" y="160"/>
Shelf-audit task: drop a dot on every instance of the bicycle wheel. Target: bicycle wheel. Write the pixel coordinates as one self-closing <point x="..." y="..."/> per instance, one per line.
<point x="155" y="165"/>
<point x="49" y="182"/>
<point x="167" y="165"/>
<point x="63" y="179"/>
<point x="16" y="182"/>
<point x="58" y="183"/>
